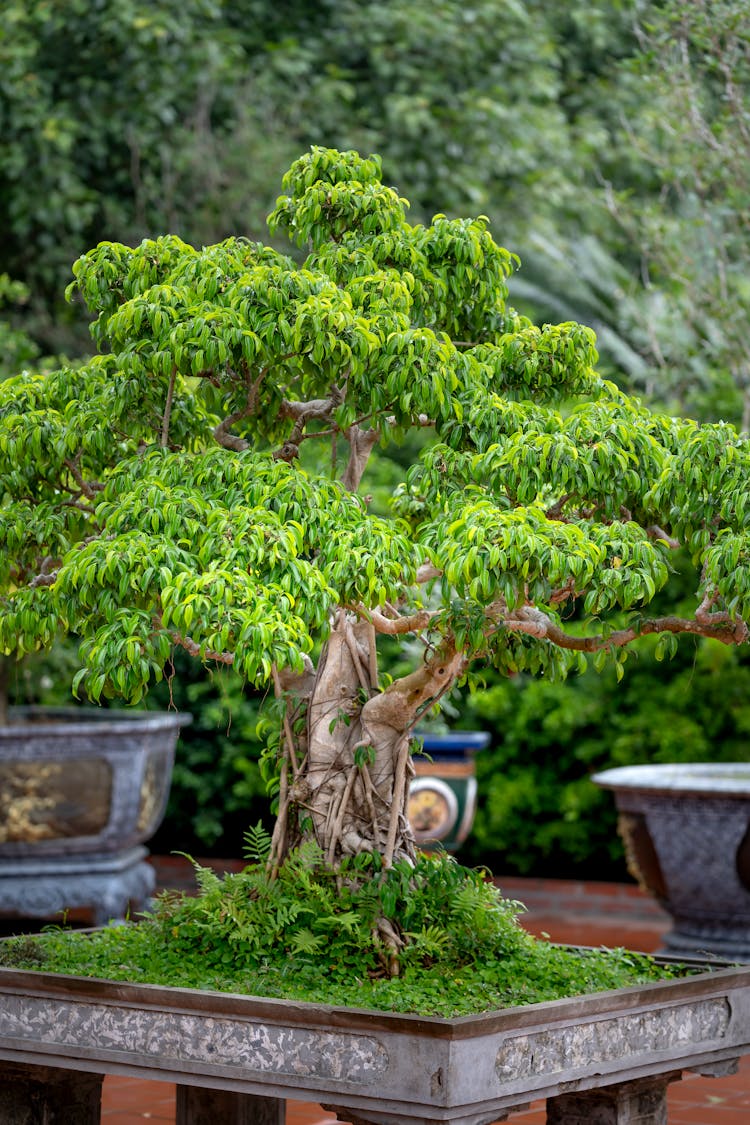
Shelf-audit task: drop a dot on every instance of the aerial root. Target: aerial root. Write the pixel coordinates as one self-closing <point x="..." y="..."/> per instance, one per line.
<point x="393" y="943"/>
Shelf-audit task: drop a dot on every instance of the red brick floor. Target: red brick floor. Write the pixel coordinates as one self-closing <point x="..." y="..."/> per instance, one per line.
<point x="565" y="911"/>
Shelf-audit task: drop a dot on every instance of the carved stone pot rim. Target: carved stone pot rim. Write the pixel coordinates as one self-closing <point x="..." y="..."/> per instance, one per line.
<point x="85" y="720"/>
<point x="709" y="779"/>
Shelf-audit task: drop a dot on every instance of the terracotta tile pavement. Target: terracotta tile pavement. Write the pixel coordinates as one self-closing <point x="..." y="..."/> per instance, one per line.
<point x="565" y="911"/>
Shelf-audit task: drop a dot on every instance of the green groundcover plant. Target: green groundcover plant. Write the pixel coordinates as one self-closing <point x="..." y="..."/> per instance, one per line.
<point x="311" y="933"/>
<point x="163" y="496"/>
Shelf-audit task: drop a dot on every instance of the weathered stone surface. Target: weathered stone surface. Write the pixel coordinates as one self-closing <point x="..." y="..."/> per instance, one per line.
<point x="376" y="1115"/>
<point x="31" y="1095"/>
<point x="384" y="1068"/>
<point x="41" y="888"/>
<point x="249" y="1046"/>
<point x="632" y="1103"/>
<point x="225" y="1107"/>
<point x="687" y="831"/>
<point x="561" y="1049"/>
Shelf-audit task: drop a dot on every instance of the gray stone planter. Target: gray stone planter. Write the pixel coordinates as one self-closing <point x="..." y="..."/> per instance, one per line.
<point x="81" y="790"/>
<point x="686" y="830"/>
<point x="604" y="1059"/>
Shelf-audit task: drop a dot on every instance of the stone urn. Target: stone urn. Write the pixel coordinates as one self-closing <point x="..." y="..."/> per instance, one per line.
<point x="81" y="790"/>
<point x="443" y="793"/>
<point x="686" y="830"/>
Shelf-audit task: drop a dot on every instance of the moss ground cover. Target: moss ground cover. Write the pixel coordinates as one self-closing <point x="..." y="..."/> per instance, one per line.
<point x="317" y="935"/>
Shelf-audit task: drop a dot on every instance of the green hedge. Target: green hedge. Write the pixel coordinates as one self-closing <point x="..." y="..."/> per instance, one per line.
<point x="539" y="813"/>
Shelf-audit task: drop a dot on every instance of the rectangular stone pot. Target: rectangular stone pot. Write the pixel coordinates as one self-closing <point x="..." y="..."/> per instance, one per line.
<point x="604" y="1058"/>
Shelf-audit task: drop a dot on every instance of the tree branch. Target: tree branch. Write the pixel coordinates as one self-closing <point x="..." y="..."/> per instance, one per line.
<point x="361" y="443"/>
<point x="221" y="432"/>
<point x="89" y="490"/>
<point x="231" y="441"/>
<point x="304" y="412"/>
<point x="426" y="572"/>
<point x="279" y="693"/>
<point x="656" y="532"/>
<point x="414" y="623"/>
<point x="555" y="512"/>
<point x="534" y="623"/>
<point x="194" y="649"/>
<point x="43" y="580"/>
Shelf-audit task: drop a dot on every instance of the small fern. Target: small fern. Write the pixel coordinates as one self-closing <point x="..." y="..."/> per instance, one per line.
<point x="306" y="942"/>
<point x="428" y="944"/>
<point x="206" y="879"/>
<point x="257" y="844"/>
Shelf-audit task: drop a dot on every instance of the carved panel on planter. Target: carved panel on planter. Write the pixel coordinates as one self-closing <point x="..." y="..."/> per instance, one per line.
<point x="46" y="800"/>
<point x="154" y="792"/>
<point x="566" y="1048"/>
<point x="302" y="1052"/>
<point x="743" y="860"/>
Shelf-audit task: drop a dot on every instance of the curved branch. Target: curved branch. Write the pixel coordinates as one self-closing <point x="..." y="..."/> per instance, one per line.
<point x="361" y="443"/>
<point x="231" y="441"/>
<point x="555" y="511"/>
<point x="658" y="533"/>
<point x="534" y="623"/>
<point x="426" y="572"/>
<point x="391" y="626"/>
<point x="194" y="649"/>
<point x="221" y="432"/>
<point x="88" y="488"/>
<point x="43" y="580"/>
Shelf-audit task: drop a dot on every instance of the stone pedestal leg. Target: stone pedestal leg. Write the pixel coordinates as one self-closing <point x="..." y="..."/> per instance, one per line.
<point x="196" y="1106"/>
<point x="32" y="1095"/>
<point x="642" y="1102"/>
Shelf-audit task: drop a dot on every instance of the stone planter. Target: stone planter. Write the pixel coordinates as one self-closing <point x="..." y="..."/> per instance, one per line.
<point x="80" y="792"/>
<point x="686" y="830"/>
<point x="443" y="794"/>
<point x="605" y="1058"/>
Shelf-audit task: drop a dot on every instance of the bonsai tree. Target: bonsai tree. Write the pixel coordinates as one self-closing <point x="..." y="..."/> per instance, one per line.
<point x="163" y="495"/>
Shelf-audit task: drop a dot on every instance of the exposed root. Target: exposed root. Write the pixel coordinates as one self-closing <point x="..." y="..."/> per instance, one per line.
<point x="279" y="839"/>
<point x="338" y="821"/>
<point x="393" y="943"/>
<point x="399" y="796"/>
<point x="369" y="795"/>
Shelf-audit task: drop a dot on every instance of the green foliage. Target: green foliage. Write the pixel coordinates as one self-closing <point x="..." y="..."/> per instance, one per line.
<point x="87" y="96"/>
<point x="311" y="934"/>
<point x="16" y="346"/>
<point x="678" y="195"/>
<point x="121" y="121"/>
<point x="197" y="527"/>
<point x="538" y="812"/>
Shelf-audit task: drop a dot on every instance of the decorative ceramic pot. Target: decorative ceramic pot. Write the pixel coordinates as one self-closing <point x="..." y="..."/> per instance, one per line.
<point x="81" y="790"/>
<point x="686" y="830"/>
<point x="443" y="794"/>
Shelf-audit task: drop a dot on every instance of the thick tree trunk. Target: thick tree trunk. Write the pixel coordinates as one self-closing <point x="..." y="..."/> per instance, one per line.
<point x="345" y="781"/>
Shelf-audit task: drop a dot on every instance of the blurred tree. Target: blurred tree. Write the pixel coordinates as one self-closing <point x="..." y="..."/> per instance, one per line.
<point x="17" y="349"/>
<point x="91" y="95"/>
<point x="679" y="191"/>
